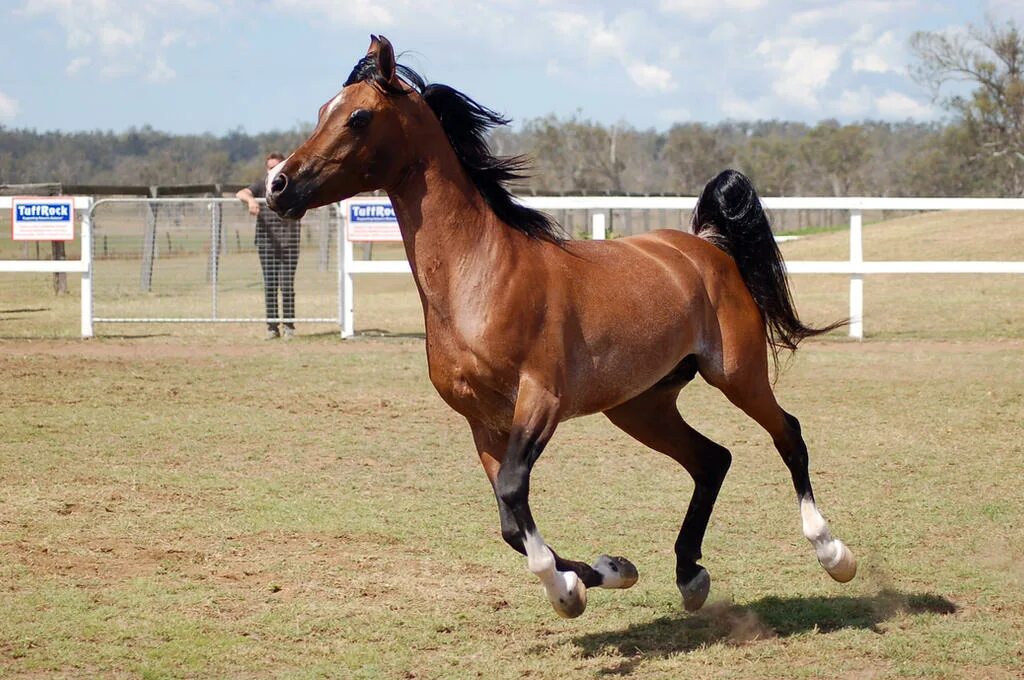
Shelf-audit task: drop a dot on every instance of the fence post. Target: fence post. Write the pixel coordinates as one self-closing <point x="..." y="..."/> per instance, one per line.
<point x="87" y="329"/>
<point x="215" y="239"/>
<point x="597" y="231"/>
<point x="149" y="245"/>
<point x="857" y="277"/>
<point x="345" y="313"/>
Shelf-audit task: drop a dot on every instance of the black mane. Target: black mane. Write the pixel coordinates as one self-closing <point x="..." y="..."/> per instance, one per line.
<point x="466" y="124"/>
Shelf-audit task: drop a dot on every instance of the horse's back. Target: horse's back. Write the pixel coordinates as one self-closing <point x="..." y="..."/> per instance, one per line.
<point x="649" y="258"/>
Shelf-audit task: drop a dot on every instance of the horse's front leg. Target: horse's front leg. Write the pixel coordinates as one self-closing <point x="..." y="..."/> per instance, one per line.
<point x="508" y="459"/>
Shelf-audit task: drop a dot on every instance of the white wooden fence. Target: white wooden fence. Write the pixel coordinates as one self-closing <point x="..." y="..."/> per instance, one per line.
<point x="855" y="267"/>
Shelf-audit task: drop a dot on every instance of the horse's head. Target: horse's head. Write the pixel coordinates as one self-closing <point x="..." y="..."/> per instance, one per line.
<point x="358" y="143"/>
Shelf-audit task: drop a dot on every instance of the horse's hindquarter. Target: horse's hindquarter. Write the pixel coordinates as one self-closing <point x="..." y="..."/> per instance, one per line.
<point x="636" y="307"/>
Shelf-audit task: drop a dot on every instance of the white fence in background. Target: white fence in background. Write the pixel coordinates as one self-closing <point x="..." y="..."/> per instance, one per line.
<point x="855" y="267"/>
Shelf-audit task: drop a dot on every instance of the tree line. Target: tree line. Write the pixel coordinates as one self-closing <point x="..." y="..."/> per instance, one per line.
<point x="978" y="151"/>
<point x="569" y="155"/>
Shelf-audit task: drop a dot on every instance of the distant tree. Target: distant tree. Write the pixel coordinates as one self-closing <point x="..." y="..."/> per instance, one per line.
<point x="991" y="60"/>
<point x="773" y="163"/>
<point x="694" y="153"/>
<point x="835" y="154"/>
<point x="944" y="165"/>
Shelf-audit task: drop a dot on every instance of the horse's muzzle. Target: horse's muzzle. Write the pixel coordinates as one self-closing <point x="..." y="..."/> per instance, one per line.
<point x="283" y="198"/>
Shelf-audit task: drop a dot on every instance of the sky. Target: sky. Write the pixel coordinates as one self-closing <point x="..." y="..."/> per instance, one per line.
<point x="196" y="66"/>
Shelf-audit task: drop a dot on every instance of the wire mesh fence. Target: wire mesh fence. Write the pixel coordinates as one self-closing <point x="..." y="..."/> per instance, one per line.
<point x="203" y="260"/>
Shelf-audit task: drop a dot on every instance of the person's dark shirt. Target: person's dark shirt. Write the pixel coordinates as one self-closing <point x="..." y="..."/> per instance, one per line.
<point x="271" y="228"/>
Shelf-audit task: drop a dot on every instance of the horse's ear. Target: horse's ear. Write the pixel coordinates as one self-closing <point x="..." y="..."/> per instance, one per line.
<point x="385" y="58"/>
<point x="374" y="47"/>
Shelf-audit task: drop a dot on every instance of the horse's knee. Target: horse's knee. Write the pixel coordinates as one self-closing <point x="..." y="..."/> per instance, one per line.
<point x="791" y="445"/>
<point x="723" y="461"/>
<point x="512" y="487"/>
<point x="792" y="425"/>
<point x="716" y="462"/>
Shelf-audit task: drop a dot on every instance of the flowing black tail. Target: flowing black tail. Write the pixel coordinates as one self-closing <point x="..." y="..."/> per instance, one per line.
<point x="729" y="215"/>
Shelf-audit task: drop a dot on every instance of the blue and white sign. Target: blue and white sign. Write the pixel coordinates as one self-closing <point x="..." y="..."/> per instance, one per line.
<point x="372" y="219"/>
<point x="42" y="219"/>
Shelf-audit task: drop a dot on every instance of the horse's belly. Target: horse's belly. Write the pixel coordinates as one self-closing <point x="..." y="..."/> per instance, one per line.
<point x="628" y="360"/>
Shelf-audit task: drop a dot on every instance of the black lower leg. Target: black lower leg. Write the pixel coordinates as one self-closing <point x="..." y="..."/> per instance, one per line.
<point x="708" y="482"/>
<point x="512" y="489"/>
<point x="794" y="454"/>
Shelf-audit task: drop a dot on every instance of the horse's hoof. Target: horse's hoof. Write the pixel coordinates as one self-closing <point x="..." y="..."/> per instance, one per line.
<point x="616" y="572"/>
<point x="695" y="591"/>
<point x="843" y="565"/>
<point x="569" y="600"/>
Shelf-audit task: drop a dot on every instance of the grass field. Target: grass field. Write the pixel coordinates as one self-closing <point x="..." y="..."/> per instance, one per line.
<point x="188" y="501"/>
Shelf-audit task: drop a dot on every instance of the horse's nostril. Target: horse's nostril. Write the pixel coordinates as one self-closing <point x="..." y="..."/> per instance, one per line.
<point x="280" y="183"/>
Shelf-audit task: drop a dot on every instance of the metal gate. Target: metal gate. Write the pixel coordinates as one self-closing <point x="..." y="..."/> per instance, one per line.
<point x="196" y="260"/>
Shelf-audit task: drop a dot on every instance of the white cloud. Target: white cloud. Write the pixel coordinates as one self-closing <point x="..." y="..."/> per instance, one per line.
<point x="171" y="37"/>
<point x="365" y="13"/>
<point x="705" y="9"/>
<point x="725" y="32"/>
<point x="882" y="55"/>
<point x="8" y="108"/>
<point x="849" y="11"/>
<point x="802" y="68"/>
<point x="621" y="40"/>
<point x="112" y="37"/>
<point x="601" y="42"/>
<point x="119" y="36"/>
<point x="651" y="77"/>
<point x="895" y="105"/>
<point x="76" y="65"/>
<point x="160" y="72"/>
<point x="555" y="69"/>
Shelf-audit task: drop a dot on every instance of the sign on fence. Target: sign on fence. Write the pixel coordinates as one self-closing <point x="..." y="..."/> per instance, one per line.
<point x="372" y="219"/>
<point x="42" y="218"/>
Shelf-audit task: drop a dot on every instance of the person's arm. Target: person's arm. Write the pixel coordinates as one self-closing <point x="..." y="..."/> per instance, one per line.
<point x="245" y="196"/>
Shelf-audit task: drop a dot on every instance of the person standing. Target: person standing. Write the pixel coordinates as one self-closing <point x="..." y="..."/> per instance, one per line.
<point x="277" y="242"/>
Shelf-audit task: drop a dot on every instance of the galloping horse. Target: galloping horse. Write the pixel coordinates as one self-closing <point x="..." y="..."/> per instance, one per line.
<point x="525" y="329"/>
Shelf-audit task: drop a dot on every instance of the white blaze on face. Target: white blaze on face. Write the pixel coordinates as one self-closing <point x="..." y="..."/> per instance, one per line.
<point x="334" y="103"/>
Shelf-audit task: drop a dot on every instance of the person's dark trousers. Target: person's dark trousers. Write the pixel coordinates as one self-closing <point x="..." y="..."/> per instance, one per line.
<point x="288" y="261"/>
<point x="279" y="265"/>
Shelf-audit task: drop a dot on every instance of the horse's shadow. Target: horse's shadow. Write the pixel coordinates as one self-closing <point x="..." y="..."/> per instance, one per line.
<point x="769" y="617"/>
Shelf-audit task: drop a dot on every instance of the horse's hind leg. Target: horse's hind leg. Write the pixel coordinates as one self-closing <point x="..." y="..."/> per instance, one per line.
<point x="751" y="392"/>
<point x="653" y="419"/>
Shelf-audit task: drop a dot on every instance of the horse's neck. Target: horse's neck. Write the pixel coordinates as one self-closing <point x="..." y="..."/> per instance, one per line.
<point x="452" y="237"/>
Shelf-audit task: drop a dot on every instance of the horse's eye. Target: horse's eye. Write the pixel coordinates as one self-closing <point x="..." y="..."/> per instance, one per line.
<point x="359" y="119"/>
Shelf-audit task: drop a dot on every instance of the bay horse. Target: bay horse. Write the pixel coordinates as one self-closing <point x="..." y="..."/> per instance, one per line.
<point x="525" y="328"/>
